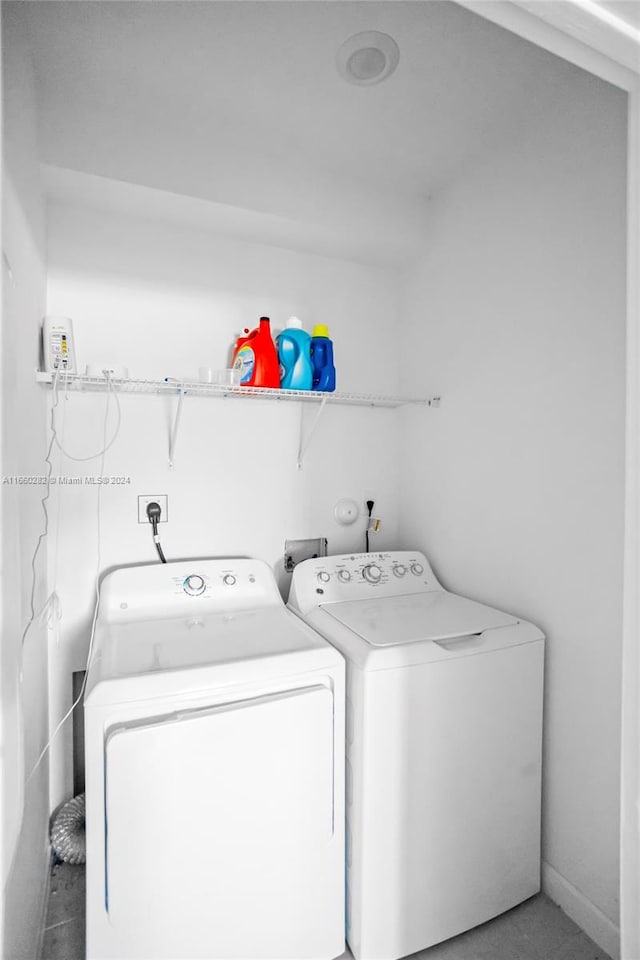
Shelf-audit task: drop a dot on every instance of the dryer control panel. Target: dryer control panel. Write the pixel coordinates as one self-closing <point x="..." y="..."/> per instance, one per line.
<point x="355" y="576"/>
<point x="187" y="586"/>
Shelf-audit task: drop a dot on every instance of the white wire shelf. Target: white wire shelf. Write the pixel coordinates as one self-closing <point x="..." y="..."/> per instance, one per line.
<point x="80" y="382"/>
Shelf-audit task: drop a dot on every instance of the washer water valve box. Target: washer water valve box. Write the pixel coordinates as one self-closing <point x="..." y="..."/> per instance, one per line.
<point x="295" y="551"/>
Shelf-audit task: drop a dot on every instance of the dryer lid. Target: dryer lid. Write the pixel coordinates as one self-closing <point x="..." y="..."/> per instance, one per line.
<point x="436" y="616"/>
<point x="157" y="658"/>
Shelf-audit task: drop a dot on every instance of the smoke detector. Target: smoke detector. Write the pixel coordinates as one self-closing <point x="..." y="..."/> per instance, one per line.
<point x="367" y="58"/>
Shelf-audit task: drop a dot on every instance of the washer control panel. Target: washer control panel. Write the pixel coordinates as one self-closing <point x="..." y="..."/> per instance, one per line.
<point x="358" y="575"/>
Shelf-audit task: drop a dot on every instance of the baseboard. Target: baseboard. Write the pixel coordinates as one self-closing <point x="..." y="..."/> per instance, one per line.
<point x="588" y="917"/>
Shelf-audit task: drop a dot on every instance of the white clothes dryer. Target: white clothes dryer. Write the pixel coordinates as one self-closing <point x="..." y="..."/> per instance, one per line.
<point x="214" y="740"/>
<point x="444" y="723"/>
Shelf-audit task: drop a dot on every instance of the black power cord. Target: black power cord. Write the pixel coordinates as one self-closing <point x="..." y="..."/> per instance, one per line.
<point x="366" y="534"/>
<point x="153" y="512"/>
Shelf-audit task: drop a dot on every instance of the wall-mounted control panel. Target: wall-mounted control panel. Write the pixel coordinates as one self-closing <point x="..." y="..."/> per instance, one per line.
<point x="58" y="352"/>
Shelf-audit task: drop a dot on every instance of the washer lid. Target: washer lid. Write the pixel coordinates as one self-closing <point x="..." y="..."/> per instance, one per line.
<point x="436" y="615"/>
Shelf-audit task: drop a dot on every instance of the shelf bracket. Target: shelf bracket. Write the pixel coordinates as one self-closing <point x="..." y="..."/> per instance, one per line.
<point x="303" y="444"/>
<point x="176" y="424"/>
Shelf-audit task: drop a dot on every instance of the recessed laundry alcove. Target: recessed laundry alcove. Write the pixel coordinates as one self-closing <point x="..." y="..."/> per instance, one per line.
<point x="176" y="170"/>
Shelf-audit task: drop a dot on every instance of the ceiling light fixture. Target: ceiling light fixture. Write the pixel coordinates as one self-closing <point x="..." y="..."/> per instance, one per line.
<point x="367" y="58"/>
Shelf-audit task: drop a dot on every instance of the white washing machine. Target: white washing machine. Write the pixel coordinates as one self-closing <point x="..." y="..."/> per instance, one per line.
<point x="214" y="740"/>
<point x="444" y="723"/>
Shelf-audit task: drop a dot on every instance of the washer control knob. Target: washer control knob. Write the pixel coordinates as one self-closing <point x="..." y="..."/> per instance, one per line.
<point x="194" y="585"/>
<point x="229" y="579"/>
<point x="417" y="569"/>
<point x="344" y="575"/>
<point x="372" y="573"/>
<point x="323" y="577"/>
<point x="399" y="570"/>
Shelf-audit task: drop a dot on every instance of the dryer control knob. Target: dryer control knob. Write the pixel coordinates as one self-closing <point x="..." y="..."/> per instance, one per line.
<point x="228" y="579"/>
<point x="344" y="575"/>
<point x="323" y="577"/>
<point x="417" y="569"/>
<point x="194" y="585"/>
<point x="372" y="573"/>
<point x="399" y="570"/>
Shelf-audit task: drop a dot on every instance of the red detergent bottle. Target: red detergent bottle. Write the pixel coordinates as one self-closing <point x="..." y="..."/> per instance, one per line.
<point x="256" y="358"/>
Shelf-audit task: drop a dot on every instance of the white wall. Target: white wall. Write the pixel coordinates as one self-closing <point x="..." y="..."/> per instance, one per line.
<point x="165" y="301"/>
<point x="23" y="692"/>
<point x="515" y="489"/>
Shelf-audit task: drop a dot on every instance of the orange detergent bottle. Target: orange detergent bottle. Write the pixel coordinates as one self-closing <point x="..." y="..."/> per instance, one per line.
<point x="256" y="358"/>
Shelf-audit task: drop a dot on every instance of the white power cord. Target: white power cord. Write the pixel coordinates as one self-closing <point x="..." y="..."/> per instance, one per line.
<point x="55" y="612"/>
<point x="42" y="537"/>
<point x="101" y="454"/>
<point x="105" y="446"/>
<point x="50" y="605"/>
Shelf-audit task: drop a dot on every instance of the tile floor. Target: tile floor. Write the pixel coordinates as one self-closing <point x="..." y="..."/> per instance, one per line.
<point x="535" y="930"/>
<point x="64" y="923"/>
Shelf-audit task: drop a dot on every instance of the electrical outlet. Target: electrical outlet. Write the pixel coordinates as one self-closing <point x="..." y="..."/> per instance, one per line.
<point x="160" y="498"/>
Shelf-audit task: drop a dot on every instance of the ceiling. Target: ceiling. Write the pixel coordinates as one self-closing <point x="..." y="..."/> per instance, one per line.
<point x="240" y="103"/>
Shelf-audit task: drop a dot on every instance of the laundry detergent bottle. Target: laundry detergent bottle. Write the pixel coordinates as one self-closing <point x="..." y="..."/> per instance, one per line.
<point x="324" y="372"/>
<point x="294" y="354"/>
<point x="256" y="358"/>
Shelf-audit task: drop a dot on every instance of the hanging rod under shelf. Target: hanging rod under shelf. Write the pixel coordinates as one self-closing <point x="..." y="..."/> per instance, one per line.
<point x="79" y="382"/>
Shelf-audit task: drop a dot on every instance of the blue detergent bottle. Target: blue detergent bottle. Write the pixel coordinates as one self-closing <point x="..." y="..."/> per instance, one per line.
<point x="294" y="356"/>
<point x="324" y="372"/>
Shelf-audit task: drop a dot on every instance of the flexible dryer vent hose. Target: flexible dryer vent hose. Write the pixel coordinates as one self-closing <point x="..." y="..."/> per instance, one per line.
<point x="68" y="831"/>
